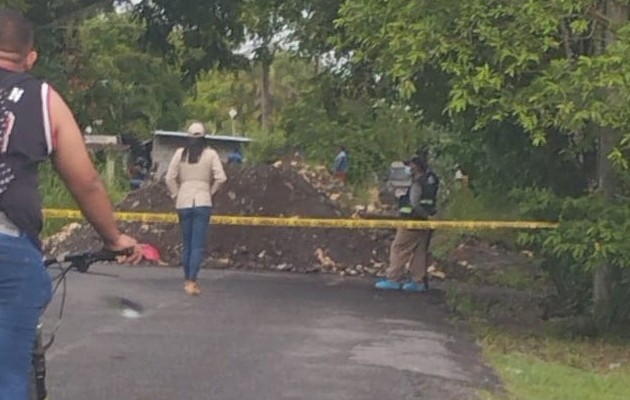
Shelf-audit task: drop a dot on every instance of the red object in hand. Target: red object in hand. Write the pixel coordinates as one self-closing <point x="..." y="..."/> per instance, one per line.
<point x="150" y="252"/>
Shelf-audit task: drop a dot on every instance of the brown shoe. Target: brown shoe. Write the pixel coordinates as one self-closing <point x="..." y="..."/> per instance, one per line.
<point x="195" y="289"/>
<point x="189" y="287"/>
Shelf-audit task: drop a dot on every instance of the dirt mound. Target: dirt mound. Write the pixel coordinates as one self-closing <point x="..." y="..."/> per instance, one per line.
<point x="262" y="190"/>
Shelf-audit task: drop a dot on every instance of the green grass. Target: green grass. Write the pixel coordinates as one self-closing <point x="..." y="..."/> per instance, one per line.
<point x="527" y="377"/>
<point x="462" y="204"/>
<point x="540" y="362"/>
<point x="545" y="365"/>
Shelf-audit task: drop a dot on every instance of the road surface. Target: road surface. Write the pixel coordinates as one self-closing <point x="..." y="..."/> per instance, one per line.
<point x="252" y="336"/>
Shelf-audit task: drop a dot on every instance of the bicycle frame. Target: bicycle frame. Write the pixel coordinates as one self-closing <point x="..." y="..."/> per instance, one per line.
<point x="38" y="368"/>
<point x="81" y="263"/>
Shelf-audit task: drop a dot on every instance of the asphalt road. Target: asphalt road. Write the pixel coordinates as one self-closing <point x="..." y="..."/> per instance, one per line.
<point x="256" y="337"/>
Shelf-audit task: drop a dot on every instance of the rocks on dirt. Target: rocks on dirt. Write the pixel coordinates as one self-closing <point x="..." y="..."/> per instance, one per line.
<point x="281" y="189"/>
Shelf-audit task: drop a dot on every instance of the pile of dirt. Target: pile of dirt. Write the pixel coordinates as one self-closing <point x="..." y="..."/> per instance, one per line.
<point x="262" y="190"/>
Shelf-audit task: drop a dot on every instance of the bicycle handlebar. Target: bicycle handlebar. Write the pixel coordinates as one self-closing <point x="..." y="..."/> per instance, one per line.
<point x="82" y="261"/>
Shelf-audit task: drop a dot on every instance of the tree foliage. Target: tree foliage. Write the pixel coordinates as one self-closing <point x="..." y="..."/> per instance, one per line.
<point x="556" y="70"/>
<point x="209" y="32"/>
<point x="536" y="64"/>
<point x="115" y="82"/>
<point x="15" y="4"/>
<point x="375" y="132"/>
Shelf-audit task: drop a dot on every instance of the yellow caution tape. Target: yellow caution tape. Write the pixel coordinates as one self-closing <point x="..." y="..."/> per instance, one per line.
<point x="315" y="222"/>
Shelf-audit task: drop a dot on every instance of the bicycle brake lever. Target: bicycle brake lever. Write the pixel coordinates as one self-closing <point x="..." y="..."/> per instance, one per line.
<point x="81" y="265"/>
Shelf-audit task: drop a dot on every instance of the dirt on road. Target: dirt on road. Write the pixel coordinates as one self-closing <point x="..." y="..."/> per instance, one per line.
<point x="260" y="190"/>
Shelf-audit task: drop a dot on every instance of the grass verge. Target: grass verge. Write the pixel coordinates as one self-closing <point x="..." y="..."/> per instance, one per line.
<point x="542" y="360"/>
<point x="536" y="360"/>
<point x="539" y="368"/>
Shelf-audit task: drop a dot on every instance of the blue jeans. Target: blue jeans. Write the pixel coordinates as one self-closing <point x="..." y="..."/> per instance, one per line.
<point x="194" y="222"/>
<point x="25" y="288"/>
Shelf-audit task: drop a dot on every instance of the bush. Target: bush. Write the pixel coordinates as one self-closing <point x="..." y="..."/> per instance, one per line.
<point x="56" y="195"/>
<point x="266" y="146"/>
<point x="593" y="231"/>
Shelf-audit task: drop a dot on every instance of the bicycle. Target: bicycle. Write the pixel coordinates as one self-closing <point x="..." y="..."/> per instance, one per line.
<point x="80" y="262"/>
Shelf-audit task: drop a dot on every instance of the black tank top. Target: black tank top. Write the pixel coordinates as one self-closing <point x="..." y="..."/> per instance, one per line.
<point x="26" y="140"/>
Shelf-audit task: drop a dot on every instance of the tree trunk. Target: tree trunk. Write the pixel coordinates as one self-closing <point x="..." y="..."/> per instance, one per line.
<point x="603" y="301"/>
<point x="266" y="106"/>
<point x="603" y="277"/>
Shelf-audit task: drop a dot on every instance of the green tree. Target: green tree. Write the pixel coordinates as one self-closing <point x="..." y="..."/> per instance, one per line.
<point x="268" y="23"/>
<point x="208" y="31"/>
<point x="216" y="92"/>
<point x="548" y="67"/>
<point x="314" y="28"/>
<point x="15" y="4"/>
<point x="115" y="82"/>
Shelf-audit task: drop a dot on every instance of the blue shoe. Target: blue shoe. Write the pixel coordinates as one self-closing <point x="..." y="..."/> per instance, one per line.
<point x="386" y="284"/>
<point x="413" y="286"/>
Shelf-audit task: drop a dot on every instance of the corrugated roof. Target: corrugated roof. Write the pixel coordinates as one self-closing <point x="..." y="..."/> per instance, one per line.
<point x="224" y="138"/>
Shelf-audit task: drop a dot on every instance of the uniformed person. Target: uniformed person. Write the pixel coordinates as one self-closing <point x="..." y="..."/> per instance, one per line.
<point x="412" y="245"/>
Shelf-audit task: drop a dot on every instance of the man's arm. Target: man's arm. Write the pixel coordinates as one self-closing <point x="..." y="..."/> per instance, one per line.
<point x="75" y="167"/>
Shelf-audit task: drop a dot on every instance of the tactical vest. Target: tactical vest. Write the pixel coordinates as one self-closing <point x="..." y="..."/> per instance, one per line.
<point x="428" y="199"/>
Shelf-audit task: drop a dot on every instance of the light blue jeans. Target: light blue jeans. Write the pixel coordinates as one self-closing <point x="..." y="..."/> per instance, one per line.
<point x="194" y="222"/>
<point x="25" y="288"/>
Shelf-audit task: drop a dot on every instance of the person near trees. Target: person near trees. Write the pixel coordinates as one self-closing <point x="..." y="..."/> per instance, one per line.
<point x="341" y="164"/>
<point x="36" y="124"/>
<point x="235" y="156"/>
<point x="411" y="246"/>
<point x="194" y="175"/>
<point x="138" y="173"/>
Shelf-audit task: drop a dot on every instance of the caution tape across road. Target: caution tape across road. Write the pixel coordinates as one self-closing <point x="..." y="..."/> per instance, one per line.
<point x="299" y="222"/>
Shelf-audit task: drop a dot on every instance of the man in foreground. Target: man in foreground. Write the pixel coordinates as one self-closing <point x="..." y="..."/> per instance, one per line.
<point x="35" y="124"/>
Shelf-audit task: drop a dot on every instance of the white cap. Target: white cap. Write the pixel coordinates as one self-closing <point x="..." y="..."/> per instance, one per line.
<point x="196" y="129"/>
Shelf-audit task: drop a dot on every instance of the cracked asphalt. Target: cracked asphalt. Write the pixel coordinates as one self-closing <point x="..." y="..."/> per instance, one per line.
<point x="256" y="336"/>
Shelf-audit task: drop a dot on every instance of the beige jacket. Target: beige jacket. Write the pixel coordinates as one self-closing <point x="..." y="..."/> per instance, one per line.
<point x="195" y="184"/>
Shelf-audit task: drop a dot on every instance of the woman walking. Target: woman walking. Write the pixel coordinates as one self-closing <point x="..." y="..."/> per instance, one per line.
<point x="194" y="175"/>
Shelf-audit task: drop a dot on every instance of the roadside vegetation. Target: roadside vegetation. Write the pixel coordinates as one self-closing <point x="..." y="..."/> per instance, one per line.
<point x="55" y="194"/>
<point x="540" y="348"/>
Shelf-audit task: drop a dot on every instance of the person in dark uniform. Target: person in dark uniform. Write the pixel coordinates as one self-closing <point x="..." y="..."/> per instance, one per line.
<point x="412" y="245"/>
